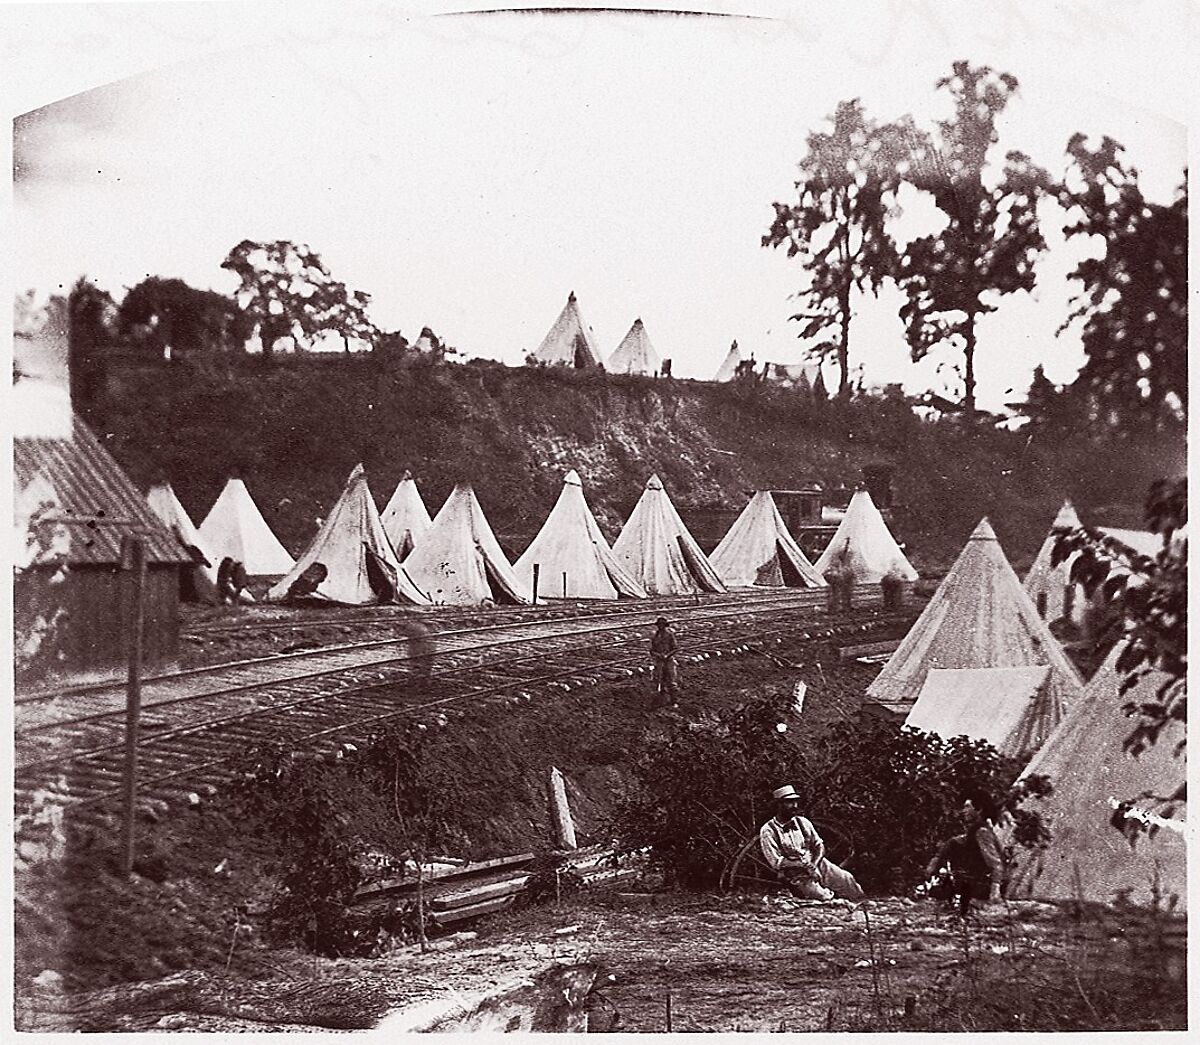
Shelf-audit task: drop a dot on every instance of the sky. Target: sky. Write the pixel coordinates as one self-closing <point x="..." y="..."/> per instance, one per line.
<point x="468" y="172"/>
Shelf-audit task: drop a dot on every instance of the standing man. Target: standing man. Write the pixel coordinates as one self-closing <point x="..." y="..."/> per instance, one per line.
<point x="666" y="672"/>
<point x="791" y="845"/>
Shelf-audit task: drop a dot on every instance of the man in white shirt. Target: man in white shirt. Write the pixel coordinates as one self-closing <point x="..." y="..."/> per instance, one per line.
<point x="796" y="852"/>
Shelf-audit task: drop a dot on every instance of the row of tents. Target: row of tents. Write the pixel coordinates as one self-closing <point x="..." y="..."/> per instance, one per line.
<point x="980" y="661"/>
<point x="360" y="556"/>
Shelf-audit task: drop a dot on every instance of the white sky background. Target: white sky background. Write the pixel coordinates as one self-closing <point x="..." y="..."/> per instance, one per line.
<point x="469" y="172"/>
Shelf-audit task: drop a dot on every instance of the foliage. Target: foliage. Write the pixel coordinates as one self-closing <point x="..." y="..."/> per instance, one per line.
<point x="702" y="791"/>
<point x="1150" y="595"/>
<point x="287" y="291"/>
<point x="838" y="225"/>
<point x="1133" y="296"/>
<point x="991" y="239"/>
<point x="89" y="340"/>
<point x="174" y="320"/>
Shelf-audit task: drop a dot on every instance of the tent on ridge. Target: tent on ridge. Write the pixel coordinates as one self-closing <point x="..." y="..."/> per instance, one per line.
<point x="865" y="543"/>
<point x="635" y="354"/>
<point x="200" y="583"/>
<point x="1009" y="708"/>
<point x="980" y="617"/>
<point x="570" y="549"/>
<point x="1091" y="773"/>
<point x="1050" y="587"/>
<point x="350" y="560"/>
<point x="405" y="519"/>
<point x="459" y="562"/>
<point x="570" y="342"/>
<point x="658" y="551"/>
<point x="728" y="370"/>
<point x="758" y="550"/>
<point x="234" y="528"/>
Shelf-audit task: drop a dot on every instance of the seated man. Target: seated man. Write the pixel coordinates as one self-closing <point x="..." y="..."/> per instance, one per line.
<point x="975" y="858"/>
<point x="791" y="845"/>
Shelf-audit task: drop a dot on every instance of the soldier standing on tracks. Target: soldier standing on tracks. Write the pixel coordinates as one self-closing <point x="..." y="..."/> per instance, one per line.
<point x="666" y="671"/>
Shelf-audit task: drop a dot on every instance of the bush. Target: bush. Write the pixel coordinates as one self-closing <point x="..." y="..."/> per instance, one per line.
<point x="893" y="794"/>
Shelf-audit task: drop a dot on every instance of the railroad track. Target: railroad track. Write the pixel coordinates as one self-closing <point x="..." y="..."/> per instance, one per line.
<point x="196" y="723"/>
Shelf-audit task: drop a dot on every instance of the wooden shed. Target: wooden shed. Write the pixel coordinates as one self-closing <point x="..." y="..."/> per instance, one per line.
<point x="72" y="599"/>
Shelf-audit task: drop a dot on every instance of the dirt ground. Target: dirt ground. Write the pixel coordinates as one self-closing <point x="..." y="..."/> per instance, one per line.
<point x="720" y="963"/>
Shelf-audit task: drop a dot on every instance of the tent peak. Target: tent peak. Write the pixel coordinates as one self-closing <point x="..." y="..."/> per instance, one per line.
<point x="572" y="478"/>
<point x="654" y="483"/>
<point x="571" y="296"/>
<point x="983" y="532"/>
<point x="406" y="476"/>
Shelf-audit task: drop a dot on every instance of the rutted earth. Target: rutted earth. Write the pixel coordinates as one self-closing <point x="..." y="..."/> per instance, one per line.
<point x="721" y="963"/>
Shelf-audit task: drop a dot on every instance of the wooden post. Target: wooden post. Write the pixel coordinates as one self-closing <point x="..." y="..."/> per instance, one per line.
<point x="564" y="826"/>
<point x="537" y="568"/>
<point x="564" y="584"/>
<point x="133" y="558"/>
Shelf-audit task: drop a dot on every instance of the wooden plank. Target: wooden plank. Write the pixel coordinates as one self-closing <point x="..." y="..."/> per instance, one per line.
<point x="868" y="649"/>
<point x="480" y="893"/>
<point x="475" y="910"/>
<point x="409" y="884"/>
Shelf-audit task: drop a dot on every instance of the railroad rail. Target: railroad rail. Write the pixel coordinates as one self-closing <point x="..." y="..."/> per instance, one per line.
<point x="196" y="723"/>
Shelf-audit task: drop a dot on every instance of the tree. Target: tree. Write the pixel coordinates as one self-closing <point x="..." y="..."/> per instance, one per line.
<point x="178" y="321"/>
<point x="838" y="226"/>
<point x="288" y="292"/>
<point x="991" y="240"/>
<point x="1052" y="407"/>
<point x="89" y="340"/>
<point x="1133" y="296"/>
<point x="1150" y="597"/>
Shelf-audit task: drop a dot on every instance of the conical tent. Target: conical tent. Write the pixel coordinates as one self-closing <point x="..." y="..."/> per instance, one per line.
<point x="1049" y="586"/>
<point x="200" y="583"/>
<point x="1007" y="707"/>
<point x="350" y="561"/>
<point x="758" y="550"/>
<point x="405" y="519"/>
<point x="460" y="562"/>
<point x="980" y="617"/>
<point x="656" y="549"/>
<point x="865" y="544"/>
<point x="235" y="528"/>
<point x="570" y="549"/>
<point x="1091" y="773"/>
<point x="727" y="371"/>
<point x="635" y="354"/>
<point x="570" y="341"/>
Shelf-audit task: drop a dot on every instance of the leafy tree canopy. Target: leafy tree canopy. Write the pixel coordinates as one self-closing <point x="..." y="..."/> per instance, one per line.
<point x="1132" y="301"/>
<point x="177" y="320"/>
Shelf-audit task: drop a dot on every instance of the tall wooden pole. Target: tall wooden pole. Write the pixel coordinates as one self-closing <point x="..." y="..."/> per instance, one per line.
<point x="133" y="557"/>
<point x="537" y="568"/>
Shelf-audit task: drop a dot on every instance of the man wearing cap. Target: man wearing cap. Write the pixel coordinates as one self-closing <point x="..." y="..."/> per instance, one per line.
<point x="791" y="845"/>
<point x="662" y="650"/>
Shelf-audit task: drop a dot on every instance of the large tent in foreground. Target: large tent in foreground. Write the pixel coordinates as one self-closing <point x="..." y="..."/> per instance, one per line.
<point x="865" y="544"/>
<point x="657" y="550"/>
<point x="1050" y="586"/>
<point x="405" y="519"/>
<point x="980" y="617"/>
<point x="1009" y="708"/>
<point x="1088" y="857"/>
<point x="200" y="583"/>
<point x="758" y="550"/>
<point x="234" y="528"/>
<point x="350" y="561"/>
<point x="460" y="562"/>
<point x="574" y="559"/>
<point x="635" y="354"/>
<point x="570" y="342"/>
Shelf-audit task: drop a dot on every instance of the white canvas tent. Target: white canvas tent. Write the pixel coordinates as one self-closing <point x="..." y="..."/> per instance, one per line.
<point x="166" y="506"/>
<point x="635" y="354"/>
<point x="1050" y="587"/>
<point x="570" y="341"/>
<point x="1143" y="542"/>
<point x="1091" y="773"/>
<point x="350" y="561"/>
<point x="865" y="544"/>
<point x="1010" y="708"/>
<point x="727" y="371"/>
<point x="758" y="550"/>
<point x="980" y="617"/>
<point x="571" y="545"/>
<point x="405" y="519"/>
<point x="657" y="550"/>
<point x="235" y="528"/>
<point x="460" y="562"/>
